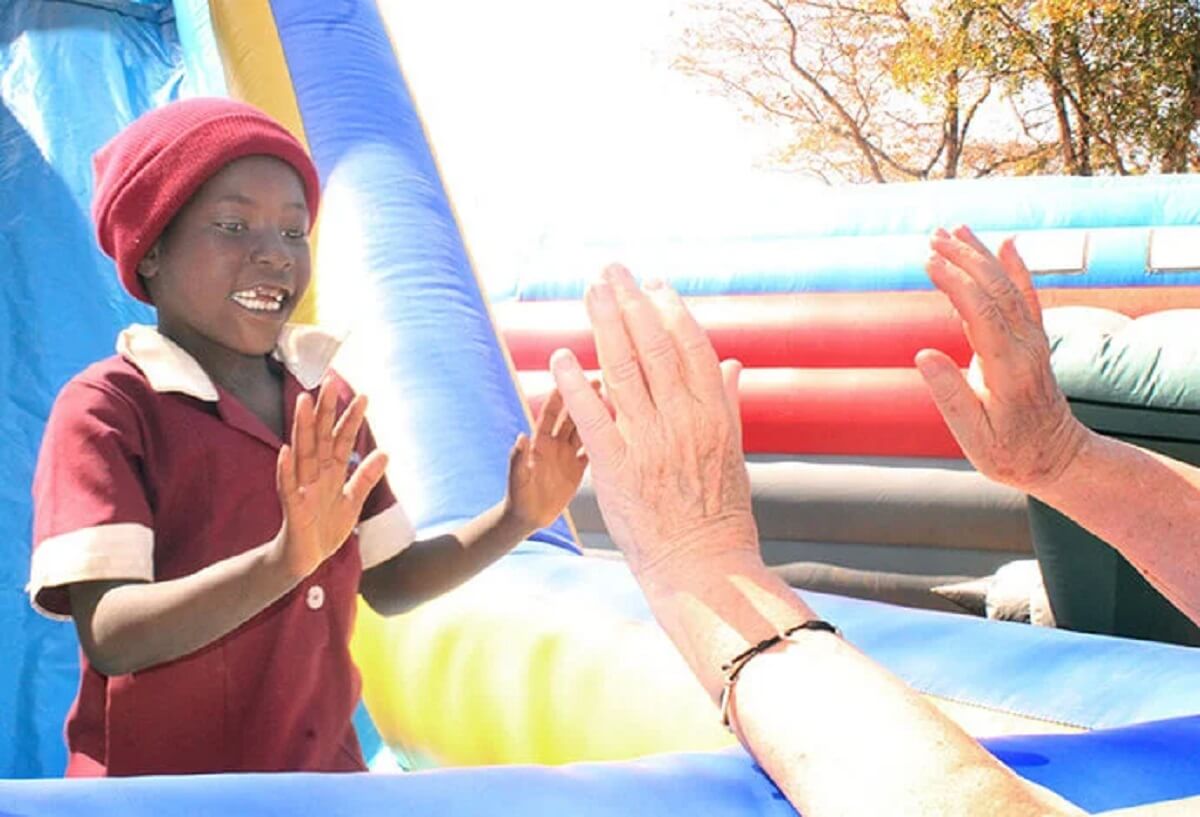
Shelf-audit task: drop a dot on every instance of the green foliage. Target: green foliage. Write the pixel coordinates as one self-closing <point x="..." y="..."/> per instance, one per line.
<point x="881" y="90"/>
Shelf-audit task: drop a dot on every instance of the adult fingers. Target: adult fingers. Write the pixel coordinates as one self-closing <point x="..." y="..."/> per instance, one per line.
<point x="954" y="398"/>
<point x="596" y="427"/>
<point x="656" y="351"/>
<point x="564" y="426"/>
<point x="966" y="235"/>
<point x="345" y="433"/>
<point x="966" y="252"/>
<point x="696" y="351"/>
<point x="1021" y="277"/>
<point x="304" y="441"/>
<point x="618" y="361"/>
<point x="365" y="478"/>
<point x="731" y="371"/>
<point x="986" y="328"/>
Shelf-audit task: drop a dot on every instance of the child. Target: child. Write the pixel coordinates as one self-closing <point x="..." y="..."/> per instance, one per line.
<point x="211" y="568"/>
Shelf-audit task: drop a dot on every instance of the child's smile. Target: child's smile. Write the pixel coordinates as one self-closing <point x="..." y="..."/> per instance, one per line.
<point x="264" y="299"/>
<point x="230" y="269"/>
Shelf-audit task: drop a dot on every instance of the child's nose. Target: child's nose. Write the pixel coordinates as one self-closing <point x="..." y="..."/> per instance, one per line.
<point x="270" y="250"/>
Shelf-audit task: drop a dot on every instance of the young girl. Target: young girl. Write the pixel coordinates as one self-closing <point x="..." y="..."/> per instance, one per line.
<point x="210" y="565"/>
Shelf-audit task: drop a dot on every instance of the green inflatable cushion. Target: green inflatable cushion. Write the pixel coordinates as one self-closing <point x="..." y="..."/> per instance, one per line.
<point x="1139" y="381"/>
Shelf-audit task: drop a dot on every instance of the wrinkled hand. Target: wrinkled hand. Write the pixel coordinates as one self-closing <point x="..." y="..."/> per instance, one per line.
<point x="668" y="470"/>
<point x="544" y="472"/>
<point x="1011" y="419"/>
<point x="320" y="505"/>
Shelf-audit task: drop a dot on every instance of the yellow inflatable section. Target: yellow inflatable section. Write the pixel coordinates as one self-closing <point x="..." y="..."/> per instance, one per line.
<point x="507" y="669"/>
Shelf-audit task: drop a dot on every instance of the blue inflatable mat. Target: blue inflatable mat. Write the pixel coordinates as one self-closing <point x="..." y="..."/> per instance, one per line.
<point x="1098" y="772"/>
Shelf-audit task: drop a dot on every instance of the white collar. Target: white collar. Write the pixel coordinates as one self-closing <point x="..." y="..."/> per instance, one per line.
<point x="304" y="350"/>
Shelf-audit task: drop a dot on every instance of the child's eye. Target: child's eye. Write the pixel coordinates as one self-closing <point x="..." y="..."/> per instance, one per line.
<point x="231" y="226"/>
<point x="295" y="234"/>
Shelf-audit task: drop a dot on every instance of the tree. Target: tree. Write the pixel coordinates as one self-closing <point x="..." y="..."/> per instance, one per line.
<point x="884" y="90"/>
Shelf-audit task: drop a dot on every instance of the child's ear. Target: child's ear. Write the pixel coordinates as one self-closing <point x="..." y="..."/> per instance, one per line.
<point x="148" y="266"/>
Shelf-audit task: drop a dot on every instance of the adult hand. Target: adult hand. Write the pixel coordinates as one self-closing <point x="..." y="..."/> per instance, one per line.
<point x="544" y="471"/>
<point x="1011" y="419"/>
<point x="320" y="504"/>
<point x="668" y="469"/>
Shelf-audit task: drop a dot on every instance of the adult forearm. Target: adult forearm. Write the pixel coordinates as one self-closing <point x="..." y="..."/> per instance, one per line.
<point x="1145" y="505"/>
<point x="430" y="567"/>
<point x="134" y="626"/>
<point x="715" y="606"/>
<point x="816" y="712"/>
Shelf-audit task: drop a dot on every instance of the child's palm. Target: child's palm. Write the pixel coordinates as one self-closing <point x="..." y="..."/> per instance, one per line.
<point x="544" y="472"/>
<point x="321" y="504"/>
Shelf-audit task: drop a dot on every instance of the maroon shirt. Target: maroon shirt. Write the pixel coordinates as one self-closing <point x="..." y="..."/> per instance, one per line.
<point x="148" y="471"/>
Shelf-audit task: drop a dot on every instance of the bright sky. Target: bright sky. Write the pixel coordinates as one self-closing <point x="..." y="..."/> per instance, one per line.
<point x="559" y="123"/>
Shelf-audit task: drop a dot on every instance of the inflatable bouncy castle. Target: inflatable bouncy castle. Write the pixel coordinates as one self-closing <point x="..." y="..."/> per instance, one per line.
<point x="543" y="686"/>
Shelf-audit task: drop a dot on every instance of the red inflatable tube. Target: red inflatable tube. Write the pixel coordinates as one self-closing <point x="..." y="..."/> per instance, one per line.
<point x="824" y="330"/>
<point x="820" y="330"/>
<point x="859" y="412"/>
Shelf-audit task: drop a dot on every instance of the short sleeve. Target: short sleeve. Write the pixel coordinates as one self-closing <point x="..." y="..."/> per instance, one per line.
<point x="384" y="528"/>
<point x="91" y="515"/>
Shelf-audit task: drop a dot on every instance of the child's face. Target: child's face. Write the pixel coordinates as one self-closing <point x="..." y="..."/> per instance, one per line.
<point x="233" y="264"/>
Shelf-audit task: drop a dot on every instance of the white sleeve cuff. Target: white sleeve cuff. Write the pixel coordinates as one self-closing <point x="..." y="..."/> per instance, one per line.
<point x="384" y="535"/>
<point x="106" y="552"/>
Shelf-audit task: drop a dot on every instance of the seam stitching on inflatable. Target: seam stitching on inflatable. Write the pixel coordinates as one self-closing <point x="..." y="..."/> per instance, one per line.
<point x="1005" y="710"/>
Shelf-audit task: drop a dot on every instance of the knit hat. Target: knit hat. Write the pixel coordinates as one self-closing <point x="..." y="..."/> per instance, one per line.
<point x="148" y="171"/>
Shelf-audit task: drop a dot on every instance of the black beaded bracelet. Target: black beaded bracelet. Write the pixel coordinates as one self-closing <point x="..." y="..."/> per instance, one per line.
<point x="734" y="667"/>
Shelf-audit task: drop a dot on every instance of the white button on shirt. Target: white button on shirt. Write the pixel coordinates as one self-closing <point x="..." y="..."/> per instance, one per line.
<point x="315" y="599"/>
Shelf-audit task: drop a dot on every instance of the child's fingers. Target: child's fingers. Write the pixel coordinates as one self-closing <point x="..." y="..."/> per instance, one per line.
<point x="365" y="478"/>
<point x="345" y="433"/>
<point x="517" y="454"/>
<point x="285" y="476"/>
<point x="304" y="441"/>
<point x="326" y="414"/>
<point x="549" y="417"/>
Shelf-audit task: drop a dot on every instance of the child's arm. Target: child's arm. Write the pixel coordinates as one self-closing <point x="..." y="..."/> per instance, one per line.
<point x="543" y="475"/>
<point x="128" y="626"/>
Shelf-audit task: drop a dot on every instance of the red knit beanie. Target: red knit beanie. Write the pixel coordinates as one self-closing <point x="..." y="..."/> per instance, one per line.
<point x="151" y="168"/>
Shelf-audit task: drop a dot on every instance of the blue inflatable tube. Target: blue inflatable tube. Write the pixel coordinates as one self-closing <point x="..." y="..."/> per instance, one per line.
<point x="461" y="409"/>
<point x="998" y="205"/>
<point x="1092" y="771"/>
<point x="1108" y="257"/>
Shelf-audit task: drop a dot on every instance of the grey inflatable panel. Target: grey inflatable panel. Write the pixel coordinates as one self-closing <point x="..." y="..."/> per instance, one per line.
<point x="894" y="588"/>
<point x="873" y="504"/>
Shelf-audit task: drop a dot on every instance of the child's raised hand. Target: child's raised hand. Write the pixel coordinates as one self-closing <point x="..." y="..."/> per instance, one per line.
<point x="321" y="505"/>
<point x="544" y="471"/>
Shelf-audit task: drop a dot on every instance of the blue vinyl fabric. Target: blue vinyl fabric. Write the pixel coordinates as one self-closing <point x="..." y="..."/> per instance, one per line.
<point x="1116" y="257"/>
<point x="74" y="74"/>
<point x="71" y="75"/>
<point x="1098" y="772"/>
<point x="1082" y="680"/>
<point x="462" y="409"/>
<point x="874" y="238"/>
<point x="1093" y="771"/>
